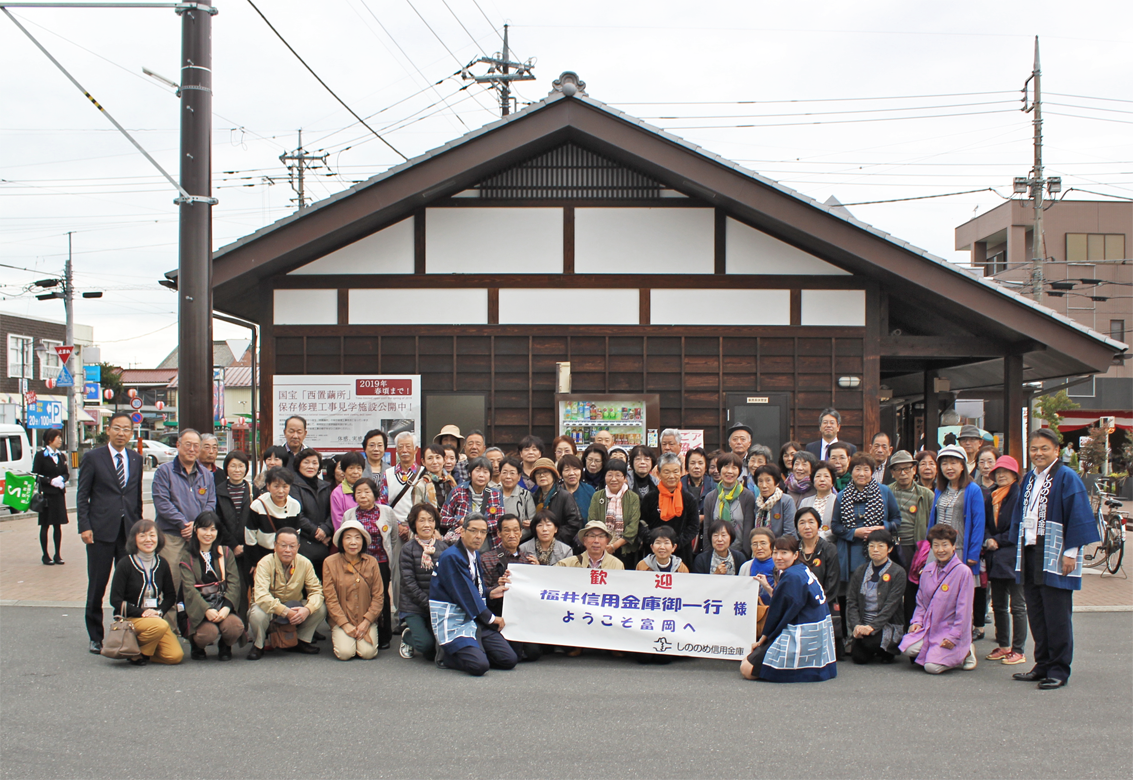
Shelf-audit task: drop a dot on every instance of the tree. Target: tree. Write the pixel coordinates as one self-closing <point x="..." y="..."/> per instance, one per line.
<point x="112" y="380"/>
<point x="1050" y="407"/>
<point x="1094" y="454"/>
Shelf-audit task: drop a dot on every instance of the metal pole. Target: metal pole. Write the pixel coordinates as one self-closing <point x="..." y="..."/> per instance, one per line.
<point x="505" y="85"/>
<point x="194" y="281"/>
<point x="1037" y="185"/>
<point x="69" y="306"/>
<point x="302" y="165"/>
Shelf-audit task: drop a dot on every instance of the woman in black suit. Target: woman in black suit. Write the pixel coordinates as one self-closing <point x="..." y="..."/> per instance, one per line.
<point x="50" y="466"/>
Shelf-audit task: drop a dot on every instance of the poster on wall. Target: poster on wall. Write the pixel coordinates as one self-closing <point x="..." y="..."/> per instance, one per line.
<point x="340" y="409"/>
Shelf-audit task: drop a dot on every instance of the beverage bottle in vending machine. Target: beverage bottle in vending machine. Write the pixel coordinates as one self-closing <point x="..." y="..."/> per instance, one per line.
<point x="593" y="411"/>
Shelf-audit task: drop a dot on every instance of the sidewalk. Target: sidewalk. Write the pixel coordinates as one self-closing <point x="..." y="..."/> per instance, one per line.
<point x="25" y="581"/>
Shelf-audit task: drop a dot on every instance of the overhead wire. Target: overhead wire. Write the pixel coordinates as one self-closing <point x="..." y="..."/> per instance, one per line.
<point x="441" y="41"/>
<point x="324" y="84"/>
<point x="839" y="121"/>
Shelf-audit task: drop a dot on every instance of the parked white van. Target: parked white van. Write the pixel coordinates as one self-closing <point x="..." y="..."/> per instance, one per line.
<point x="15" y="451"/>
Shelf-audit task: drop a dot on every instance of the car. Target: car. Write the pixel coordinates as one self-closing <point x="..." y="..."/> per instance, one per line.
<point x="154" y="453"/>
<point x="15" y="453"/>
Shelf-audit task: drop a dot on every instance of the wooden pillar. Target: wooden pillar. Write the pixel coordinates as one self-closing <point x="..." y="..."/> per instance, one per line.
<point x="871" y="373"/>
<point x="1014" y="437"/>
<point x="931" y="412"/>
<point x="266" y="401"/>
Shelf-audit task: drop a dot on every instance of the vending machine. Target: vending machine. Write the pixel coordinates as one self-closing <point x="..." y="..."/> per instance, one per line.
<point x="631" y="419"/>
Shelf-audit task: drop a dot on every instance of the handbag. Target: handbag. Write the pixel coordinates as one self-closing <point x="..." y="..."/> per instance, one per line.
<point x="38" y="502"/>
<point x="122" y="639"/>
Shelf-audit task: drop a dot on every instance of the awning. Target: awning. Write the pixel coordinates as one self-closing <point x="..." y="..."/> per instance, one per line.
<point x="1088" y="418"/>
<point x="84" y="417"/>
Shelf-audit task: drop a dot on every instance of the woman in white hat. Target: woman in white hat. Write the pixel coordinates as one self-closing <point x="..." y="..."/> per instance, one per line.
<point x="354" y="593"/>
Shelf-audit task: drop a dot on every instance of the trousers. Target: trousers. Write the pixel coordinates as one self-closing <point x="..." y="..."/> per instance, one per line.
<point x="915" y="649"/>
<point x="419" y="634"/>
<point x="157" y="640"/>
<point x="231" y="629"/>
<point x="346" y="646"/>
<point x="1009" y="633"/>
<point x="490" y="651"/>
<point x="259" y="622"/>
<point x="101" y="557"/>
<point x="1049" y="612"/>
<point x="866" y="648"/>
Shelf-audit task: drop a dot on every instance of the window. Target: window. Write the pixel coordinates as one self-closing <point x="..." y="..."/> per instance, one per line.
<point x="21" y="357"/>
<point x="996" y="264"/>
<point x="1087" y="247"/>
<point x="49" y="363"/>
<point x="15" y="449"/>
<point x="1117" y="329"/>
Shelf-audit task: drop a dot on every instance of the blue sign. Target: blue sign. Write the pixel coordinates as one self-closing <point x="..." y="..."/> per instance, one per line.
<point x="93" y="373"/>
<point x="45" y="414"/>
<point x="93" y="392"/>
<point x="136" y="417"/>
<point x="64" y="379"/>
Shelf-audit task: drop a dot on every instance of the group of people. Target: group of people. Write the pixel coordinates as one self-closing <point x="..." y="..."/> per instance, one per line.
<point x="871" y="554"/>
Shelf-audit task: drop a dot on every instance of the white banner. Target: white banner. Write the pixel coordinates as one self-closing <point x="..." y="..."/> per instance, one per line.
<point x="635" y="611"/>
<point x="340" y="409"/>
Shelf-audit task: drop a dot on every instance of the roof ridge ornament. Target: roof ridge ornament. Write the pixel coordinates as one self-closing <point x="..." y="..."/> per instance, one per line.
<point x="569" y="84"/>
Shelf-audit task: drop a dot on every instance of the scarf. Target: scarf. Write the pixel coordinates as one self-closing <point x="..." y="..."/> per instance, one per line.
<point x="874" y="513"/>
<point x="724" y="500"/>
<point x="597" y="481"/>
<point x="767" y="504"/>
<point x="544" y="556"/>
<point x="146" y="563"/>
<point x="311" y="482"/>
<point x="651" y="561"/>
<point x="728" y="561"/>
<point x="997" y="497"/>
<point x="842" y="482"/>
<point x="670" y="502"/>
<point x="428" y="547"/>
<point x="543" y="501"/>
<point x="797" y="485"/>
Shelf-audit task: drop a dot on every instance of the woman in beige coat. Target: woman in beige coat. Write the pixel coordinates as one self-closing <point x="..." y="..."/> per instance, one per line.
<point x="353" y="589"/>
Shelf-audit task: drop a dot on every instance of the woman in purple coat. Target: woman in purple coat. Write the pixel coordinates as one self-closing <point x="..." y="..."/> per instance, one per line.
<point x="940" y="632"/>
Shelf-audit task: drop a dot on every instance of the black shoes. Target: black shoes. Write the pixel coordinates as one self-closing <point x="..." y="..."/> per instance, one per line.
<point x="319" y="637"/>
<point x="95" y="647"/>
<point x="224" y="652"/>
<point x="1050" y="683"/>
<point x="383" y="645"/>
<point x="1031" y="676"/>
<point x="198" y="653"/>
<point x="47" y="560"/>
<point x="306" y="648"/>
<point x="141" y="660"/>
<point x="256" y="653"/>
<point x="58" y="561"/>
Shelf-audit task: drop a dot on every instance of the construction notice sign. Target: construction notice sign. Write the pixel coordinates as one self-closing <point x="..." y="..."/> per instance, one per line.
<point x="339" y="410"/>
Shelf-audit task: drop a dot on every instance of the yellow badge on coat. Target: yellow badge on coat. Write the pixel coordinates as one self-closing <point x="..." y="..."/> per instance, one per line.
<point x="385" y="529"/>
<point x="912" y="509"/>
<point x="202" y="491"/>
<point x="817" y="562"/>
<point x="885" y="577"/>
<point x="944" y="587"/>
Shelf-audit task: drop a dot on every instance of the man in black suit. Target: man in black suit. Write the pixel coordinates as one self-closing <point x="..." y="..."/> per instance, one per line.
<point x="829" y="423"/>
<point x="109" y="502"/>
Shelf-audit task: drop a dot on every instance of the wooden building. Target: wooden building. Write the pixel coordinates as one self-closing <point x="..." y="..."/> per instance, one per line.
<point x="570" y="231"/>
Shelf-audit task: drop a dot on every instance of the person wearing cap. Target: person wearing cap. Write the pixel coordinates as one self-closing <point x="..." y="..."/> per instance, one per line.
<point x="620" y="508"/>
<point x="999" y="554"/>
<point x="875" y="614"/>
<point x="970" y="439"/>
<point x="467" y="632"/>
<point x="829" y="424"/>
<point x="739" y="441"/>
<point x="915" y="502"/>
<point x="672" y="505"/>
<point x="449" y="436"/>
<point x="473" y="496"/>
<point x="595" y="537"/>
<point x="354" y="594"/>
<point x="959" y="503"/>
<point x="552" y="495"/>
<point x="1050" y="525"/>
<point x="379" y="522"/>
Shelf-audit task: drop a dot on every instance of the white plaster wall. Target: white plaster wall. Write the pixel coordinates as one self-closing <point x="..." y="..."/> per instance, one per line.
<point x="525" y="306"/>
<point x="419" y="307"/>
<point x="720" y="307"/>
<point x="750" y="251"/>
<point x="494" y="241"/>
<point x="306" y="307"/>
<point x="644" y="241"/>
<point x="839" y="308"/>
<point x="389" y="251"/>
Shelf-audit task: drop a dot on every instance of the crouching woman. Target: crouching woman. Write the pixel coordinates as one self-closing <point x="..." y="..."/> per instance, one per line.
<point x="354" y="592"/>
<point x="797" y="644"/>
<point x="142" y="591"/>
<point x="940" y="632"/>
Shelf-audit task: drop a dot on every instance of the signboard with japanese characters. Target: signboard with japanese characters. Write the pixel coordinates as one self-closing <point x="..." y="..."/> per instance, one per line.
<point x="632" y="611"/>
<point x="340" y="409"/>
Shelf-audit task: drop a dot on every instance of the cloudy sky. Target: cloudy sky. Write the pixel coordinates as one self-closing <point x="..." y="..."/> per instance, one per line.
<point x="869" y="101"/>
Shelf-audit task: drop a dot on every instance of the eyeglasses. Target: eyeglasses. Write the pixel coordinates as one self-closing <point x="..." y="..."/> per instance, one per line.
<point x="119" y="429"/>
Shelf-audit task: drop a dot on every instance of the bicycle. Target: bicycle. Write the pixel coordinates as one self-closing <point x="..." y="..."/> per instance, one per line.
<point x="1110" y="551"/>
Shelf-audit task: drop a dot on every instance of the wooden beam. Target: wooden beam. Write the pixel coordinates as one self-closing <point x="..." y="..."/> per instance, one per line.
<point x="643" y="313"/>
<point x="796" y="308"/>
<point x="418" y="243"/>
<point x="871" y="364"/>
<point x="1013" y="434"/>
<point x="572" y="280"/>
<point x="568" y="240"/>
<point x="343" y="306"/>
<point x="493" y="305"/>
<point x="947" y="347"/>
<point x="721" y="241"/>
<point x="931" y="412"/>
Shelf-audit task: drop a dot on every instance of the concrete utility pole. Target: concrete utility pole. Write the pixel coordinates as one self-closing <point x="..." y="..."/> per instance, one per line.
<point x="1035" y="183"/>
<point x="499" y="75"/>
<point x="300" y="158"/>
<point x="77" y="376"/>
<point x="194" y="279"/>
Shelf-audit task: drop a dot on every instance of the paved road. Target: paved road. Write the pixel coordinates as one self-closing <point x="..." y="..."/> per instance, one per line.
<point x="66" y="713"/>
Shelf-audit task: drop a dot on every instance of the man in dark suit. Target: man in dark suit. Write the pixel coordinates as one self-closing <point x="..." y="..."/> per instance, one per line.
<point x="108" y="503"/>
<point x="829" y="423"/>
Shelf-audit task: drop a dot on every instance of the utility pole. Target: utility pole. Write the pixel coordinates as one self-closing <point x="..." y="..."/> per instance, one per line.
<point x="77" y="376"/>
<point x="300" y="158"/>
<point x="1035" y="183"/>
<point x="499" y="73"/>
<point x="194" y="280"/>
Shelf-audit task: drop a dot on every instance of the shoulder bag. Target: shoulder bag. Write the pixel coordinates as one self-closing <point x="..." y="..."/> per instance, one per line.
<point x="122" y="639"/>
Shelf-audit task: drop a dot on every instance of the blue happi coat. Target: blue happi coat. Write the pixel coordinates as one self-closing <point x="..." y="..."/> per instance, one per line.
<point x="456" y="605"/>
<point x="1066" y="522"/>
<point x="799" y="629"/>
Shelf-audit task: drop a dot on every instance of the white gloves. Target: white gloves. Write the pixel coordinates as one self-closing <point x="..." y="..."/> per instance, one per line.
<point x="58" y="482"/>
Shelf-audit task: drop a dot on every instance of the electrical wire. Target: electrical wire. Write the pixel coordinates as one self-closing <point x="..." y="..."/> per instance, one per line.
<point x="841" y="121"/>
<point x="1093" y="118"/>
<point x="809" y="100"/>
<point x="489" y="21"/>
<point x="441" y="41"/>
<point x="458" y="21"/>
<point x="831" y="113"/>
<point x="325" y="86"/>
<point x="922" y="197"/>
<point x="1087" y="97"/>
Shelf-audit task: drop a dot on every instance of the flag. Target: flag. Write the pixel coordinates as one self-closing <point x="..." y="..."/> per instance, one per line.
<point x="18" y="491"/>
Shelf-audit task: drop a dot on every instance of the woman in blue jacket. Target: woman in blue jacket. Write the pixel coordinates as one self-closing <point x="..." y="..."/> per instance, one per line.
<point x="960" y="504"/>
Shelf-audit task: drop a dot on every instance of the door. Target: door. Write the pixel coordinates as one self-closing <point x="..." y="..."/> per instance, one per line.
<point x="467" y="411"/>
<point x="767" y="414"/>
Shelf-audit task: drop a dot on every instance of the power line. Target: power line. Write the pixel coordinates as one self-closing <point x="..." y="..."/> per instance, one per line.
<point x="830" y="113"/>
<point x="808" y="100"/>
<point x="325" y="86"/>
<point x="470" y="35"/>
<point x="1093" y="118"/>
<point x="441" y="41"/>
<point x="922" y="197"/>
<point x="1087" y="97"/>
<point x="843" y="121"/>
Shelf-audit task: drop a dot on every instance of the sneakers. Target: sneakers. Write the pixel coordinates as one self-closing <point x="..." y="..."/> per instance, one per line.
<point x="405" y="651"/>
<point x="977" y="634"/>
<point x="1013" y="658"/>
<point x="970" y="661"/>
<point x="998" y="654"/>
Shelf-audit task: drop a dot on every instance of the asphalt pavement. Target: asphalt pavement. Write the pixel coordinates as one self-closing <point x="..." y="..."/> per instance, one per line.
<point x="66" y="713"/>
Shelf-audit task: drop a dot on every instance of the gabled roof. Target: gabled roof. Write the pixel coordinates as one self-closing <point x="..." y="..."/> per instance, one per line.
<point x="913" y="276"/>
